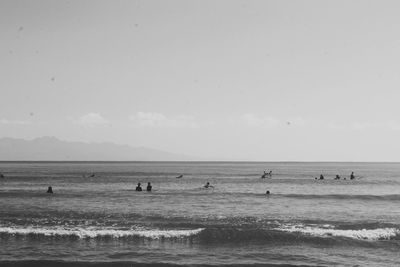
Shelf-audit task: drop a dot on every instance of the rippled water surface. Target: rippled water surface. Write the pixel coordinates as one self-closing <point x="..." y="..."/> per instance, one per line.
<point x="95" y="216"/>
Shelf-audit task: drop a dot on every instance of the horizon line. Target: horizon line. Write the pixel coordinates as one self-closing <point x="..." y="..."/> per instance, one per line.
<point x="184" y="161"/>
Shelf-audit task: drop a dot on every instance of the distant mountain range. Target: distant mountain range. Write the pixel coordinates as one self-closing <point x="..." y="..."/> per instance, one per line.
<point x="53" y="149"/>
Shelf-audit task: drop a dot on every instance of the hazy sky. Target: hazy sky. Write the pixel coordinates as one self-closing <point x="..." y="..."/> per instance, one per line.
<point x="249" y="80"/>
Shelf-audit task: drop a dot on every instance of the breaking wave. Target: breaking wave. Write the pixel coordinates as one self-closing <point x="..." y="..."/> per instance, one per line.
<point x="330" y="231"/>
<point x="343" y="196"/>
<point x="96" y="233"/>
<point x="277" y="233"/>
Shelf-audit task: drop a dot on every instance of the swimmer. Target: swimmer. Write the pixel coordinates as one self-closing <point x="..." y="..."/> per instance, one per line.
<point x="337" y="177"/>
<point x="138" y="187"/>
<point x="49" y="190"/>
<point x="148" y="189"/>
<point x="267" y="193"/>
<point x="352" y="176"/>
<point x="321" y="177"/>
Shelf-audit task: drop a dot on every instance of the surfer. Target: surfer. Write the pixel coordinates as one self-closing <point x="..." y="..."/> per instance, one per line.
<point x="179" y="176"/>
<point x="138" y="187"/>
<point x="321" y="177"/>
<point x="352" y="176"/>
<point x="49" y="190"/>
<point x="148" y="189"/>
<point x="266" y="174"/>
<point x="207" y="185"/>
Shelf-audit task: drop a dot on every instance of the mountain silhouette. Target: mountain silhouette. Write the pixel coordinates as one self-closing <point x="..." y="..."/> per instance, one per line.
<point x="53" y="149"/>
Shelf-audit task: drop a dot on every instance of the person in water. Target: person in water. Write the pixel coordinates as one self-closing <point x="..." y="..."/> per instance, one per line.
<point x="267" y="193"/>
<point x="321" y="177"/>
<point x="138" y="187"/>
<point x="148" y="188"/>
<point x="49" y="190"/>
<point x="352" y="176"/>
<point x="269" y="174"/>
<point x="207" y="185"/>
<point x="337" y="177"/>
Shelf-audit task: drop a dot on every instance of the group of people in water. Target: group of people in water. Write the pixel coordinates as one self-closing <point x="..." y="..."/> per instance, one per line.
<point x="266" y="174"/>
<point x="148" y="188"/>
<point x="337" y="177"/>
<point x="208" y="185"/>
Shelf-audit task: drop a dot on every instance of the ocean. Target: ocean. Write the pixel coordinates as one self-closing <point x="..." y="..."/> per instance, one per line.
<point x="96" y="218"/>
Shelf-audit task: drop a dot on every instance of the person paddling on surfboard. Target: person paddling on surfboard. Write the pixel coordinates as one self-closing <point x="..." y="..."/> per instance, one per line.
<point x="207" y="185"/>
<point x="269" y="174"/>
<point x="264" y="175"/>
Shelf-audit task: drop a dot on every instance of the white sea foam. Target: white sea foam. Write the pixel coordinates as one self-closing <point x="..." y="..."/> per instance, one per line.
<point x="93" y="233"/>
<point x="363" y="234"/>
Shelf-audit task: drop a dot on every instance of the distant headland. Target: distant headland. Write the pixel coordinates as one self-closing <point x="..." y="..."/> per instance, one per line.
<point x="53" y="149"/>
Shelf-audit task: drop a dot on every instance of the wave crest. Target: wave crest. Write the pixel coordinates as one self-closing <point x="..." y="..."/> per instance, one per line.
<point x="96" y="233"/>
<point x="393" y="197"/>
<point x="330" y="231"/>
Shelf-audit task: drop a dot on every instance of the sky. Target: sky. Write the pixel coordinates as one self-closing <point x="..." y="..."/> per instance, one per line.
<point x="231" y="80"/>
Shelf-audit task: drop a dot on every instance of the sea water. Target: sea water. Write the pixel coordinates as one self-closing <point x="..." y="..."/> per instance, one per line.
<point x="95" y="216"/>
